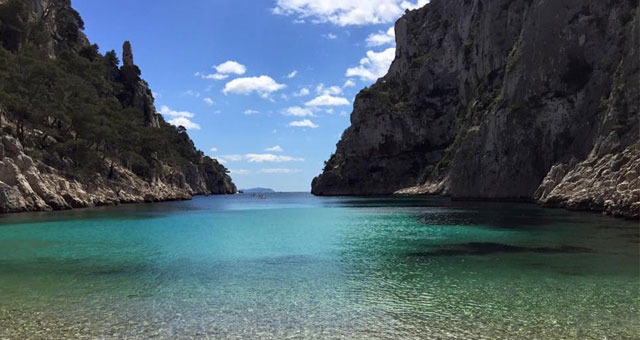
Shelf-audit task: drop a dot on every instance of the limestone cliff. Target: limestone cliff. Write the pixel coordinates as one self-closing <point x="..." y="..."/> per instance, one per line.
<point x="77" y="129"/>
<point x="502" y="99"/>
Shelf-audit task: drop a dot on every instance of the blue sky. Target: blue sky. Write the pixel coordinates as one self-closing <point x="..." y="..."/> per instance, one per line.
<point x="265" y="86"/>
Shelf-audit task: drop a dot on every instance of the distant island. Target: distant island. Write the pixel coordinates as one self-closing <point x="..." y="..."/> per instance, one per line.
<point x="256" y="191"/>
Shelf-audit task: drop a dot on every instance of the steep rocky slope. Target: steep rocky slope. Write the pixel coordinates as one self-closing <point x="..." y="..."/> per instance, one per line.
<point x="77" y="129"/>
<point x="502" y="99"/>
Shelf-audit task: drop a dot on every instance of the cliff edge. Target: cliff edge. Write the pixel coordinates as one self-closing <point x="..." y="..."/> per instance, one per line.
<point x="514" y="100"/>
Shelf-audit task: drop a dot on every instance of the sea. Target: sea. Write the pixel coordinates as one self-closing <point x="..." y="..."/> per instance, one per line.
<point x="295" y="266"/>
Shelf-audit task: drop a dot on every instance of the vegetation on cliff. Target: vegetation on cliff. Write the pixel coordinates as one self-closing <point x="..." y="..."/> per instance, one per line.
<point x="80" y="112"/>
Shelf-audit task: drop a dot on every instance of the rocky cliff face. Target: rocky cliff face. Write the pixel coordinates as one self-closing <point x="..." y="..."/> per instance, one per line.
<point x="60" y="23"/>
<point x="28" y="185"/>
<point x="503" y="99"/>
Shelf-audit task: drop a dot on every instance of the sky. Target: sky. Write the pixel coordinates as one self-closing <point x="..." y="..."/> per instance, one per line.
<point x="264" y="86"/>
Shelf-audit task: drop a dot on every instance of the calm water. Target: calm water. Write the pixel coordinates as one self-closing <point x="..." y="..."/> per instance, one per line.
<point x="297" y="266"/>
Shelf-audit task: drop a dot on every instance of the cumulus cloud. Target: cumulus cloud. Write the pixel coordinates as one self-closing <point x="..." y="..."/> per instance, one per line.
<point x="231" y="67"/>
<point x="302" y="93"/>
<point x="293" y="74"/>
<point x="382" y="38"/>
<point x="374" y="65"/>
<point x="330" y="90"/>
<point x="276" y="148"/>
<point x="327" y="100"/>
<point x="213" y="149"/>
<point x="262" y="85"/>
<point x="278" y="171"/>
<point x="184" y="122"/>
<point x="179" y="118"/>
<point x="331" y="36"/>
<point x="349" y="83"/>
<point x="166" y="111"/>
<point x="345" y="13"/>
<point x="304" y="123"/>
<point x="297" y="111"/>
<point x="250" y="112"/>
<point x="208" y="101"/>
<point x="224" y="70"/>
<point x="268" y="157"/>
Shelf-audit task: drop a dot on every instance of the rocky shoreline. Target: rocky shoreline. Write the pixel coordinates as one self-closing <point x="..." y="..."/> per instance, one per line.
<point x="29" y="185"/>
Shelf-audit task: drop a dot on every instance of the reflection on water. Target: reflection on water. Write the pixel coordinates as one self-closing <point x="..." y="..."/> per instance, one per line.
<point x="298" y="266"/>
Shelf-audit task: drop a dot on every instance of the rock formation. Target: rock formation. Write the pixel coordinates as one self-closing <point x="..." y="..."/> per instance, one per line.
<point x="503" y="99"/>
<point x="127" y="54"/>
<point x="137" y="94"/>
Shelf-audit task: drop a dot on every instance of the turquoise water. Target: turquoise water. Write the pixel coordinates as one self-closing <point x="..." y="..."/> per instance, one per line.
<point x="294" y="266"/>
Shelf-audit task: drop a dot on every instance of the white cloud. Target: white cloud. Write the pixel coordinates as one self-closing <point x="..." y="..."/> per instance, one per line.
<point x="213" y="149"/>
<point x="184" y="122"/>
<point x="230" y="158"/>
<point x="349" y="83"/>
<point x="344" y="13"/>
<point x="331" y="90"/>
<point x="208" y="101"/>
<point x="278" y="171"/>
<point x="250" y="112"/>
<point x="267" y="157"/>
<point x="331" y="36"/>
<point x="276" y="148"/>
<point x="240" y="172"/>
<point x="293" y="74"/>
<point x="156" y="95"/>
<point x="166" y="111"/>
<point x="303" y="92"/>
<point x="327" y="100"/>
<point x="374" y="65"/>
<point x="304" y="123"/>
<point x="224" y="70"/>
<point x="215" y="76"/>
<point x="297" y="111"/>
<point x="231" y="67"/>
<point x="262" y="85"/>
<point x="382" y="38"/>
<point x="179" y="118"/>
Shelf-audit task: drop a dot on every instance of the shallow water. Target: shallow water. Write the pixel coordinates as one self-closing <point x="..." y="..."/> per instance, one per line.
<point x="298" y="266"/>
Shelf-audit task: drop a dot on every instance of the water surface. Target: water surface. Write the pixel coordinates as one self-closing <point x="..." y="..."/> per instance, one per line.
<point x="298" y="266"/>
